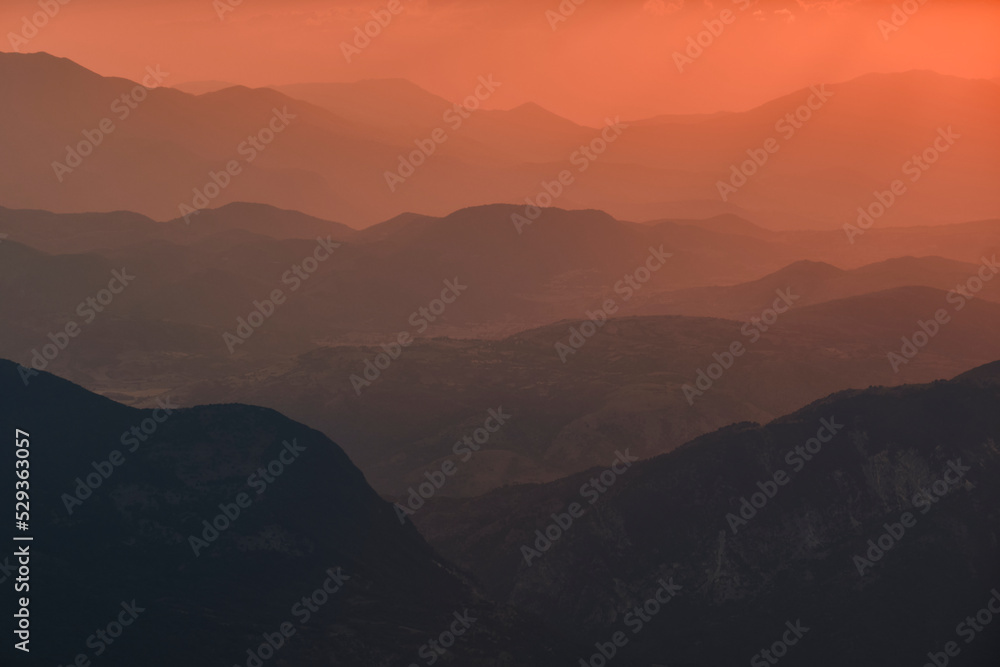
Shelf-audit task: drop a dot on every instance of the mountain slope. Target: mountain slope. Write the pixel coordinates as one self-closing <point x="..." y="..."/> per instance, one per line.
<point x="297" y="511"/>
<point x="817" y="282"/>
<point x="624" y="387"/>
<point x="683" y="517"/>
<point x="332" y="159"/>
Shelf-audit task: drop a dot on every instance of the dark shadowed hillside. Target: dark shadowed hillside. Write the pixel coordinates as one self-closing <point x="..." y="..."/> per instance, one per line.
<point x="797" y="551"/>
<point x="295" y="509"/>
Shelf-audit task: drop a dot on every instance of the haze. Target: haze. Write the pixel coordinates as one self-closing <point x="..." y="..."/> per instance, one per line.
<point x="607" y="58"/>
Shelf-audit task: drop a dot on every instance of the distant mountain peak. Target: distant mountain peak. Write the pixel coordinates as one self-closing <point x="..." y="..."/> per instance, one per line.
<point x="727" y="223"/>
<point x="202" y="87"/>
<point x="811" y="266"/>
<point x="506" y="210"/>
<point x="41" y="62"/>
<point x="532" y="108"/>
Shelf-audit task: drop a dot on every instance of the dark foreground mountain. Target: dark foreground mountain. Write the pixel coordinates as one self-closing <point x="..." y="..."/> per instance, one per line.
<point x="882" y="541"/>
<point x="294" y="536"/>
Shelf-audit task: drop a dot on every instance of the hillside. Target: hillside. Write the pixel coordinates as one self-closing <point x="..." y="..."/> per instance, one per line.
<point x="794" y="556"/>
<point x="288" y="509"/>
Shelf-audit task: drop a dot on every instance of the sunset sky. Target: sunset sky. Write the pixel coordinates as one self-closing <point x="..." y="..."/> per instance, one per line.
<point x="610" y="57"/>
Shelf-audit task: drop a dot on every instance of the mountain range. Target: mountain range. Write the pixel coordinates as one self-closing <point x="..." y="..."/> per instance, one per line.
<point x="357" y="373"/>
<point x="339" y="141"/>
<point x="912" y="469"/>
<point x="499" y="342"/>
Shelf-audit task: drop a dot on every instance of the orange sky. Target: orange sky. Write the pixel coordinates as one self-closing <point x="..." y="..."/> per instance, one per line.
<point x="609" y="57"/>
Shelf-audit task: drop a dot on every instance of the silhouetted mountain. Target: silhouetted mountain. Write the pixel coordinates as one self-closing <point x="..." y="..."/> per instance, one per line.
<point x="101" y="232"/>
<point x="986" y="374"/>
<point x="289" y="508"/>
<point x="565" y="263"/>
<point x="626" y="384"/>
<point x="405" y="112"/>
<point x="196" y="283"/>
<point x="332" y="155"/>
<point x="560" y="265"/>
<point x="867" y="132"/>
<point x="202" y="87"/>
<point x="390" y="105"/>
<point x="817" y="282"/>
<point x="355" y="374"/>
<point x="930" y="451"/>
<point x="269" y="221"/>
<point x="728" y="224"/>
